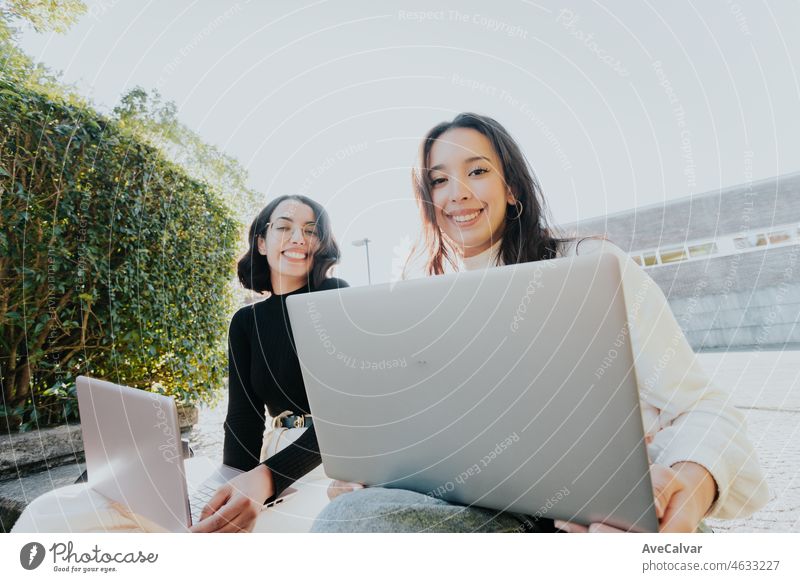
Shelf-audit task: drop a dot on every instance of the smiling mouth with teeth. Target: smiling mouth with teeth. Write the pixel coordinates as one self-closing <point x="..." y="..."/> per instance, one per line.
<point x="294" y="255"/>
<point x="463" y="218"/>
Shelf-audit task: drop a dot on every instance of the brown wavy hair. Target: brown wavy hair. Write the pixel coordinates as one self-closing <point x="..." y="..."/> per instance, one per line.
<point x="526" y="235"/>
<point x="253" y="268"/>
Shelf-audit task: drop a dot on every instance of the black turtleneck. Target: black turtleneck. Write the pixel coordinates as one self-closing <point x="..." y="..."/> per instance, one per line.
<point x="263" y="370"/>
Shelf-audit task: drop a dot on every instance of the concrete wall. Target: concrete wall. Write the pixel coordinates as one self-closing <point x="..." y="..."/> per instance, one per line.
<point x="744" y="301"/>
<point x="749" y="300"/>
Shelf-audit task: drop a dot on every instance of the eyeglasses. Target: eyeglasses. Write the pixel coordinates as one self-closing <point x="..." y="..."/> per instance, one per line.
<point x="284" y="229"/>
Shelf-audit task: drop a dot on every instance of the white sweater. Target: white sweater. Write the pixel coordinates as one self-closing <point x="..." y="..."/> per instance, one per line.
<point x="686" y="417"/>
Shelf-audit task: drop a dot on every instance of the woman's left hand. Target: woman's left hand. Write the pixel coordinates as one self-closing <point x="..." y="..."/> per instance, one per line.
<point x="683" y="495"/>
<point x="337" y="488"/>
<point x="236" y="505"/>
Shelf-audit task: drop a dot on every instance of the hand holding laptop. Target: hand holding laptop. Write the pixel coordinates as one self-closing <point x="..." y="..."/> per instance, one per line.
<point x="683" y="495"/>
<point x="337" y="488"/>
<point x="237" y="504"/>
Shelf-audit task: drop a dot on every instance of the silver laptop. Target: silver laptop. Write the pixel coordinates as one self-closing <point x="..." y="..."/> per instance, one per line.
<point x="134" y="455"/>
<point x="510" y="388"/>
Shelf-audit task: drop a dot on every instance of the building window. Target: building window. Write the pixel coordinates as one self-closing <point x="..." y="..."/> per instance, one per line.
<point x="673" y="255"/>
<point x="784" y="234"/>
<point x="779" y="236"/>
<point x="750" y="241"/>
<point x="703" y="250"/>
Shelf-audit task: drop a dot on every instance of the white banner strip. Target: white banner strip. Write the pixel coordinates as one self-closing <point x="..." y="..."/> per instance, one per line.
<point x="417" y="557"/>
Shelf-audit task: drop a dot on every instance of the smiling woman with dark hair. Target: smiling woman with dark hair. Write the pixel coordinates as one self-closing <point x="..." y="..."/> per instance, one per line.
<point x="481" y="206"/>
<point x="256" y="274"/>
<point x="291" y="251"/>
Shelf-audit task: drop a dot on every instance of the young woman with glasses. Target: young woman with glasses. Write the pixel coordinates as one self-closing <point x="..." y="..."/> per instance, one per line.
<point x="292" y="250"/>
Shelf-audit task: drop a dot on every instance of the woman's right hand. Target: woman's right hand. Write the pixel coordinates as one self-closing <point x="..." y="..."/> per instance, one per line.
<point x="235" y="506"/>
<point x="337" y="488"/>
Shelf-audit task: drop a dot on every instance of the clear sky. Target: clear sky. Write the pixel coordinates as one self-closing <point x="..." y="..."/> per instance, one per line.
<point x="616" y="104"/>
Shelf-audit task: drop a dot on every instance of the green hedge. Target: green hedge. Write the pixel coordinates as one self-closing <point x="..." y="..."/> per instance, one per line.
<point x="113" y="262"/>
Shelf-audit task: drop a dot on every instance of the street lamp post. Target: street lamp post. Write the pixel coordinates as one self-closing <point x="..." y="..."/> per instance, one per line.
<point x="364" y="242"/>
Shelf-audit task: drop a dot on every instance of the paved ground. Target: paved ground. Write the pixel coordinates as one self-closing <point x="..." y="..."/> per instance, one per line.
<point x="765" y="385"/>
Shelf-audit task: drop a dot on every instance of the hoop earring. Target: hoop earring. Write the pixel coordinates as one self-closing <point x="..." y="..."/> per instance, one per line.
<point x="518" y="204"/>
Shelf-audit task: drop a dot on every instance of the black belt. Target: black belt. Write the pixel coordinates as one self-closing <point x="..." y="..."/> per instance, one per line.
<point x="293" y="421"/>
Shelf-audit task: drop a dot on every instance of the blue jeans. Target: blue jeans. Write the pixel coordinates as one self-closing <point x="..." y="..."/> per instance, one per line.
<point x="379" y="510"/>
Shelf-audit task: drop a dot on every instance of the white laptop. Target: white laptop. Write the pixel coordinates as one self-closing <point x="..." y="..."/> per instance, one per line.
<point x="510" y="388"/>
<point x="134" y="455"/>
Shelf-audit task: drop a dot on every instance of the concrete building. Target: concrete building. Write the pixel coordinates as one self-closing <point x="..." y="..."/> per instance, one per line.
<point x="727" y="260"/>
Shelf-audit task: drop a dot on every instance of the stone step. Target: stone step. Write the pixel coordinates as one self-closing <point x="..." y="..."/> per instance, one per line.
<point x="26" y="453"/>
<point x="17" y="493"/>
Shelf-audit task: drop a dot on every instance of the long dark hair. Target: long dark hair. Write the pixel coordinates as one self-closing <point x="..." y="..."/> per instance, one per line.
<point x="253" y="268"/>
<point x="526" y="234"/>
